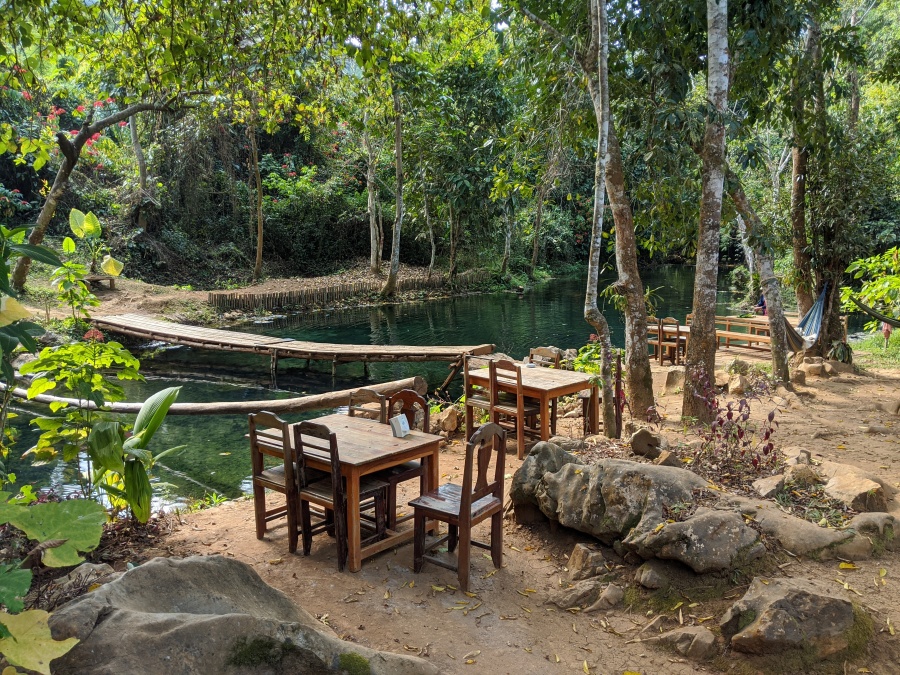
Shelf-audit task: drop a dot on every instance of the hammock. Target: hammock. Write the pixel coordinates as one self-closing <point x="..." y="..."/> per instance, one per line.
<point x="809" y="326"/>
<point x="890" y="321"/>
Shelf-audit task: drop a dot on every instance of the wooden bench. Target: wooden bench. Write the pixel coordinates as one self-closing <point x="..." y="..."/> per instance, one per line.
<point x="96" y="279"/>
<point x="755" y="331"/>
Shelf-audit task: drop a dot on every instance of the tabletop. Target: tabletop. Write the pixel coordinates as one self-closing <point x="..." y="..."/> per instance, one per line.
<point x="362" y="440"/>
<point x="542" y="378"/>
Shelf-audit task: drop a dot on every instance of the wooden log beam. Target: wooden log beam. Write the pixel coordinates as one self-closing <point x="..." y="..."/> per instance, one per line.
<point x="331" y="399"/>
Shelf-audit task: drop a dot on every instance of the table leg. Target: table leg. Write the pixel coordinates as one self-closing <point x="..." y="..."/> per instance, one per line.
<point x="595" y="409"/>
<point x="354" y="539"/>
<point x="545" y="416"/>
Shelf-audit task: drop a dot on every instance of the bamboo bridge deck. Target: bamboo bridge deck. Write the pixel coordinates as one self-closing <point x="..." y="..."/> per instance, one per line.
<point x="148" y="328"/>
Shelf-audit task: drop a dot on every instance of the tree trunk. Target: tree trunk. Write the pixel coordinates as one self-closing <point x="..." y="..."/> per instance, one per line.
<point x="142" y="172"/>
<point x="803" y="284"/>
<point x="71" y="151"/>
<point x="254" y="167"/>
<point x="749" y="256"/>
<point x="372" y="190"/>
<point x="430" y="236"/>
<point x="536" y="246"/>
<point x="592" y="314"/>
<point x="769" y="283"/>
<point x="701" y="353"/>
<point x="454" y="240"/>
<point x="638" y="376"/>
<point x="390" y="286"/>
<point x="507" y="237"/>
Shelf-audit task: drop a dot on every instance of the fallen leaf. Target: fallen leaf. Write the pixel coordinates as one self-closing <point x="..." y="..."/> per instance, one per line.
<point x="557" y="657"/>
<point x="584" y="667"/>
<point x="387" y="595"/>
<point x="276" y="561"/>
<point x="472" y="655"/>
<point x="882" y="572"/>
<point x="677" y="606"/>
<point x="469" y="593"/>
<point x="438" y="589"/>
<point x="848" y="566"/>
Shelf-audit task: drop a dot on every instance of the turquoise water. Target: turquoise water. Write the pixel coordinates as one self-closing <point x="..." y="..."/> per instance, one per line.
<point x="216" y="458"/>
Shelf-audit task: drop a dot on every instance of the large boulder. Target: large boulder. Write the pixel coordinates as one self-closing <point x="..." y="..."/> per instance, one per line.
<point x="207" y="614"/>
<point x="782" y="614"/>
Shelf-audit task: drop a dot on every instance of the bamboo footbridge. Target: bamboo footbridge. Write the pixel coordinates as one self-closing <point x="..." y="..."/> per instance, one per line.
<point x="148" y="328"/>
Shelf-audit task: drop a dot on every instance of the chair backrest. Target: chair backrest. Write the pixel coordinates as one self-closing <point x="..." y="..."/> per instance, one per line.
<point x="408" y="400"/>
<point x="487" y="440"/>
<point x="669" y="336"/>
<point x="361" y="397"/>
<point x="544" y="356"/>
<point x="270" y="435"/>
<point x="468" y="389"/>
<point x="507" y="374"/>
<point x="317" y="439"/>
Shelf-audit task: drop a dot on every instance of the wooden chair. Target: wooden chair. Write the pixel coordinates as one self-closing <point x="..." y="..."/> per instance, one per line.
<point x="269" y="436"/>
<point x="357" y="406"/>
<point x="406" y="402"/>
<point x="654" y="337"/>
<point x="671" y="343"/>
<point x="463" y="507"/>
<point x="514" y="406"/>
<point x="328" y="493"/>
<point x="545" y="357"/>
<point x="476" y="399"/>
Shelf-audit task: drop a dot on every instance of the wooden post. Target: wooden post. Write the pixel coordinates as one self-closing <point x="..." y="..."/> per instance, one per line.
<point x="273" y="368"/>
<point x="366" y="369"/>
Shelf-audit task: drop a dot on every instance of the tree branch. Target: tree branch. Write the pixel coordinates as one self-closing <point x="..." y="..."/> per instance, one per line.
<point x="570" y="48"/>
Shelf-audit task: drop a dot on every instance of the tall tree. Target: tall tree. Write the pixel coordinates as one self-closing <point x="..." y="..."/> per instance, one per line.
<point x="390" y="284"/>
<point x="701" y="352"/>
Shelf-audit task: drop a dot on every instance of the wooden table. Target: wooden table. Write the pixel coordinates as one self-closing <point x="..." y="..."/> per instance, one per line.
<point x="366" y="446"/>
<point x="669" y="331"/>
<point x="544" y="384"/>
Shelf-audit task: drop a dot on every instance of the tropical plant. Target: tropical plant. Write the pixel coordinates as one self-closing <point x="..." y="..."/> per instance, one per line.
<point x="122" y="459"/>
<point x="86" y="226"/>
<point x="72" y="290"/>
<point x="61" y="531"/>
<point x="879" y="277"/>
<point x="841" y="351"/>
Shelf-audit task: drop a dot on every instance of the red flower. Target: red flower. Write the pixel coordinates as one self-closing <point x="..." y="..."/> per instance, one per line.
<point x="26" y="95"/>
<point x="284" y="166"/>
<point x="96" y="136"/>
<point x="94" y="335"/>
<point x="98" y="104"/>
<point x="292" y="174"/>
<point x="16" y="191"/>
<point x="79" y="108"/>
<point x="89" y="142"/>
<point x="110" y="100"/>
<point x="123" y="123"/>
<point x="74" y="132"/>
<point x="99" y="167"/>
<point x="60" y="111"/>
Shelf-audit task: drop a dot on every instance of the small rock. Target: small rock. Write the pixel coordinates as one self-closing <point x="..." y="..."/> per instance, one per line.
<point x="817" y="360"/>
<point x="770" y="486"/>
<point x="581" y="594"/>
<point x="738" y="385"/>
<point x="694" y="642"/>
<point x="574" y="414"/>
<point x="609" y="598"/>
<point x="445" y="420"/>
<point x="841" y="367"/>
<point x="857" y="492"/>
<point x="585" y="562"/>
<point x="674" y="379"/>
<point x="667" y="458"/>
<point x="652" y="574"/>
<point x="829" y="369"/>
<point x="801" y="474"/>
<point x="444" y="434"/>
<point x="876" y="429"/>
<point x="722" y="379"/>
<point x="798" y="377"/>
<point x="789" y="614"/>
<point x="737" y="367"/>
<point x="647" y="444"/>
<point x="568" y="444"/>
<point x="796" y="455"/>
<point x="812" y="369"/>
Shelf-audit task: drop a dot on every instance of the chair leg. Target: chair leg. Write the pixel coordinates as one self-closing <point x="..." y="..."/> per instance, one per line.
<point x="340" y="534"/>
<point x="391" y="506"/>
<point x="497" y="539"/>
<point x="292" y="523"/>
<point x="381" y="517"/>
<point x="520" y="437"/>
<point x="462" y="558"/>
<point x="418" y="541"/>
<point x="553" y="417"/>
<point x="259" y="509"/>
<point x="306" y="526"/>
<point x="453" y="537"/>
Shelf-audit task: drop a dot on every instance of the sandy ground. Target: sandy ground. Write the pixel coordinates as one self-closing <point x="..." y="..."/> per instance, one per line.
<point x="507" y="627"/>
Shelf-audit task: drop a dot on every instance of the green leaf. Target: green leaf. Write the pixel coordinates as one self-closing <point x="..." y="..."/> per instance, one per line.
<point x="68" y="246"/>
<point x="78" y="521"/>
<point x="111" y="266"/>
<point x="105" y="445"/>
<point x="92" y="227"/>
<point x="31" y="645"/>
<point x="14" y="585"/>
<point x="137" y="487"/>
<point x="11" y="310"/>
<point x="152" y="414"/>
<point x="76" y="223"/>
<point x="38" y="253"/>
<point x="39" y="386"/>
